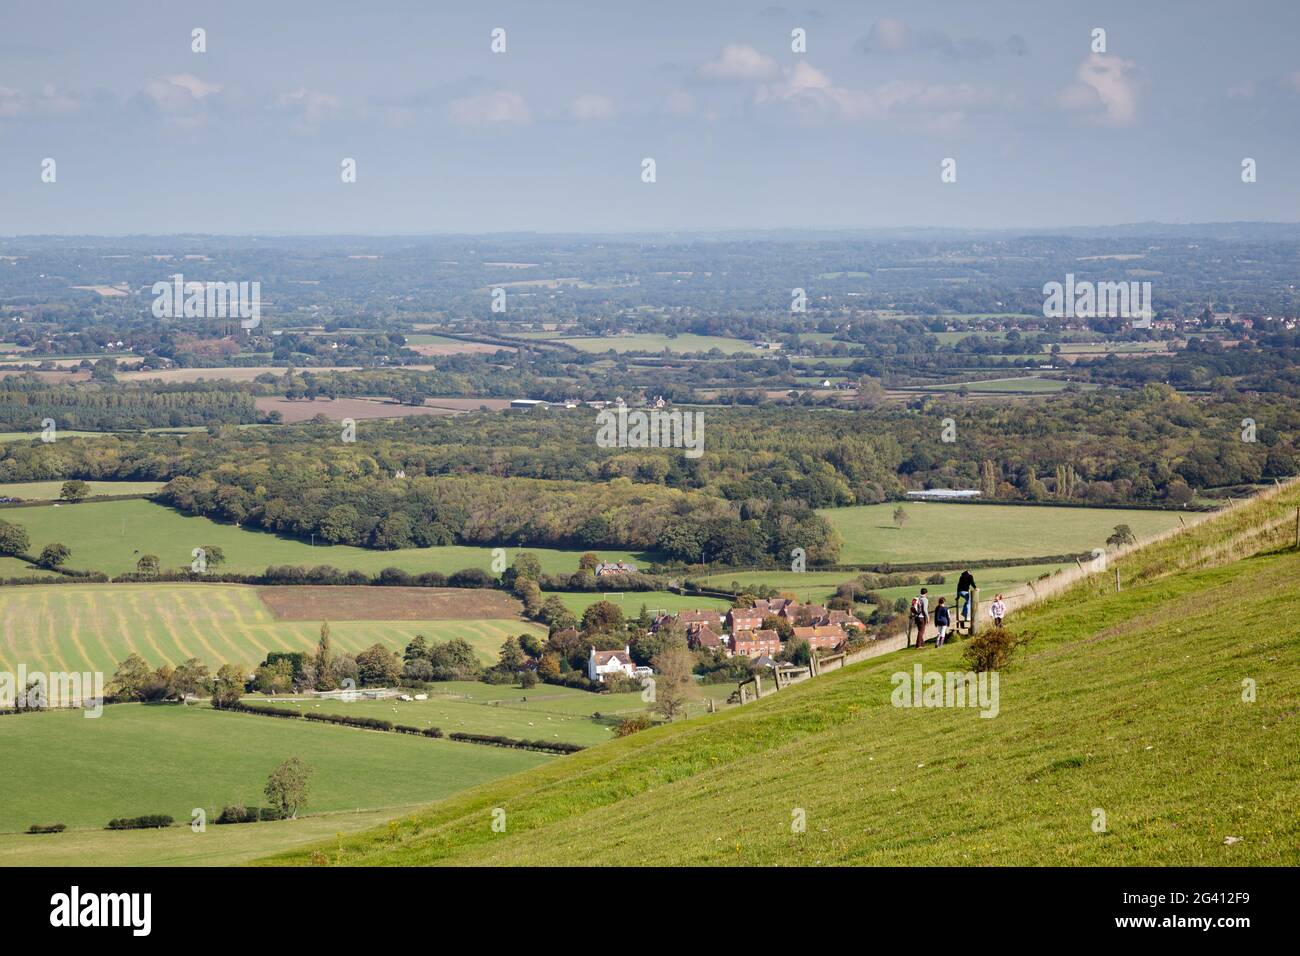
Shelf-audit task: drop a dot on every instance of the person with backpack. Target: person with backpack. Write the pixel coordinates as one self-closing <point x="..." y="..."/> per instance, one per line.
<point x="965" y="585"/>
<point x="941" y="622"/>
<point x="998" y="610"/>
<point x="921" y="615"/>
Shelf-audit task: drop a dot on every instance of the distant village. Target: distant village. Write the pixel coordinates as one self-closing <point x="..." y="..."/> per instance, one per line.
<point x="738" y="632"/>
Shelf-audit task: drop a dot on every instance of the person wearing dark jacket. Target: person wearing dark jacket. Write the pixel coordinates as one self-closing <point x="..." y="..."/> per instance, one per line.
<point x="941" y="622"/>
<point x="965" y="585"/>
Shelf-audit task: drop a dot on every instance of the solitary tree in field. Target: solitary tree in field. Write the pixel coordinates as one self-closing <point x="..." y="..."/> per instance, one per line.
<point x="227" y="686"/>
<point x="13" y="538"/>
<point x="213" y="555"/>
<point x="74" y="491"/>
<point x="673" y="681"/>
<point x="286" y="788"/>
<point x="53" y="555"/>
<point x="900" y="516"/>
<point x="1122" y="535"/>
<point x="324" y="660"/>
<point x="148" y="565"/>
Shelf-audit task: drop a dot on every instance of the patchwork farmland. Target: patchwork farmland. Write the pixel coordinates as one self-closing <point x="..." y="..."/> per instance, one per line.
<point x="77" y="627"/>
<point x="110" y="536"/>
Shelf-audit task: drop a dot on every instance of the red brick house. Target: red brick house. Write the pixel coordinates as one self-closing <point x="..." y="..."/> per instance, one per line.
<point x="822" y="637"/>
<point x="755" y="643"/>
<point x="702" y="636"/>
<point x="743" y="619"/>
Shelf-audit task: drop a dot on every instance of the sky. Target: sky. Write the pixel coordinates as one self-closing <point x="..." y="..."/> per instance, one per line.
<point x="551" y="134"/>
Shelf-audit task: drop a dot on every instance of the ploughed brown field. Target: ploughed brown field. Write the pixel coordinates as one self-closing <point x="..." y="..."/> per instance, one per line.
<point x="326" y="603"/>
<point x="337" y="409"/>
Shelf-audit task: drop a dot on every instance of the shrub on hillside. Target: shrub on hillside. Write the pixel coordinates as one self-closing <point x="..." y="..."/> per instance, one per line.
<point x="991" y="650"/>
<point x="631" y="725"/>
<point x="151" y="821"/>
<point x="47" y="828"/>
<point x="242" y="814"/>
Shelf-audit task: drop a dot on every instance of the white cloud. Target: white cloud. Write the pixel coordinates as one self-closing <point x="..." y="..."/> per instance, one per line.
<point x="181" y="98"/>
<point x="738" y="64"/>
<point x="591" y="106"/>
<point x="1107" y="90"/>
<point x="808" y="89"/>
<point x="309" y="108"/>
<point x="50" y="99"/>
<point x="498" y="107"/>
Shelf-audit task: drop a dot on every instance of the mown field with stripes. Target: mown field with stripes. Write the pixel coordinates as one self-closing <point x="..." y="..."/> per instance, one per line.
<point x="95" y="626"/>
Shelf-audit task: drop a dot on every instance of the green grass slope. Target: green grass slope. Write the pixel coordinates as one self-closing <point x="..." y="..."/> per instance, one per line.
<point x="1126" y="704"/>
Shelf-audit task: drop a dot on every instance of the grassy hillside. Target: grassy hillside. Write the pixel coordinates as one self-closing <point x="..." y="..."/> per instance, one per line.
<point x="1128" y="704"/>
<point x="95" y="626"/>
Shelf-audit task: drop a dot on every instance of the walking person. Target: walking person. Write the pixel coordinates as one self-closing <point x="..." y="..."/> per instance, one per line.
<point x="998" y="610"/>
<point x="965" y="585"/>
<point x="941" y="622"/>
<point x="921" y="615"/>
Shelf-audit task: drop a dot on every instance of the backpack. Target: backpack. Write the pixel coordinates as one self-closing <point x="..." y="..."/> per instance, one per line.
<point x="916" y="609"/>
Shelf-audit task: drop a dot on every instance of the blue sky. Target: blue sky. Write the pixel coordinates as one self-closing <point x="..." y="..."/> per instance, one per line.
<point x="248" y="137"/>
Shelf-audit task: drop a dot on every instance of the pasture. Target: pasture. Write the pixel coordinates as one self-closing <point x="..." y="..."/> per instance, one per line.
<point x="953" y="533"/>
<point x="819" y="586"/>
<point x="170" y="758"/>
<point x="686" y="342"/>
<point x="111" y="536"/>
<point x="77" y="627"/>
<point x="630" y="602"/>
<point x="49" y="490"/>
<point x="544" y="712"/>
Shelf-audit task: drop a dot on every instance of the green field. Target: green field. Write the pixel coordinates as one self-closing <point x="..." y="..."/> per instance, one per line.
<point x="631" y="601"/>
<point x="14" y="568"/>
<point x="953" y="533"/>
<point x="49" y="490"/>
<point x="168" y="758"/>
<point x="686" y="342"/>
<point x="819" y="586"/>
<point x="75" y="627"/>
<point x="110" y="536"/>
<point x="1126" y="703"/>
<point x="543" y="712"/>
<point x="179" y="846"/>
<point x="35" y="436"/>
<point x="1023" y="384"/>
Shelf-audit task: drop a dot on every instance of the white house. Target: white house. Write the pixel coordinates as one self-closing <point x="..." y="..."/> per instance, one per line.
<point x="601" y="663"/>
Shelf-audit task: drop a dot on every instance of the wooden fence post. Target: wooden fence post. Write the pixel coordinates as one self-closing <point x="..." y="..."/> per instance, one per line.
<point x="1117" y="587"/>
<point x="974" y="611"/>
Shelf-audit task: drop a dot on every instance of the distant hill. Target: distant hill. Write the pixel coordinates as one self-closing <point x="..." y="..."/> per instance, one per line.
<point x="1126" y="708"/>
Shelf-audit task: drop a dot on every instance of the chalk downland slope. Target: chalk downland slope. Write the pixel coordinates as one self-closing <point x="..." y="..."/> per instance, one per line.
<point x="1126" y="707"/>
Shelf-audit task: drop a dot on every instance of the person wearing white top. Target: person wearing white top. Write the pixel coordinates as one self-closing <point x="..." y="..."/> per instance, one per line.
<point x="998" y="610"/>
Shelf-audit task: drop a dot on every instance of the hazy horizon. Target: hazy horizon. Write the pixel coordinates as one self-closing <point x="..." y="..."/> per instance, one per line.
<point x="844" y="127"/>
